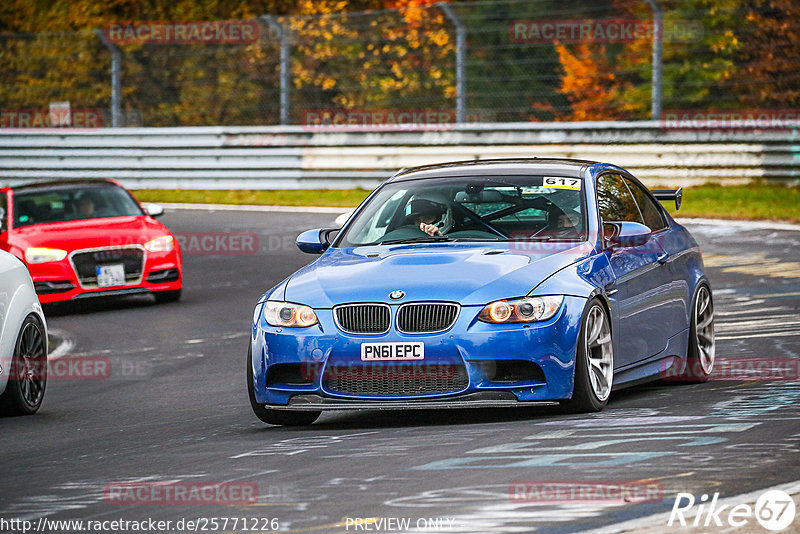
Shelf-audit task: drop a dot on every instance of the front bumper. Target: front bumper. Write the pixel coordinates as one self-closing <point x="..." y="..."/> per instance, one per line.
<point x="323" y="349"/>
<point x="57" y="281"/>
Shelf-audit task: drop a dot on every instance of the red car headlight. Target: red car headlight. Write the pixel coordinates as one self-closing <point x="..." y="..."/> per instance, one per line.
<point x="160" y="244"/>
<point x="43" y="255"/>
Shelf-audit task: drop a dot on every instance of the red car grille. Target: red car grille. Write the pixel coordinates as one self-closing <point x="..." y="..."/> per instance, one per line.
<point x="85" y="263"/>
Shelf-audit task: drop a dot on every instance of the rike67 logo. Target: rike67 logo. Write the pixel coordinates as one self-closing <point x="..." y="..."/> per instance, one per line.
<point x="774" y="510"/>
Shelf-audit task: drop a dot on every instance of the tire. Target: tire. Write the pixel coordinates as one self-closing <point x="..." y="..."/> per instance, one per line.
<point x="28" y="373"/>
<point x="594" y="368"/>
<point x="274" y="417"/>
<point x="701" y="352"/>
<point x="167" y="296"/>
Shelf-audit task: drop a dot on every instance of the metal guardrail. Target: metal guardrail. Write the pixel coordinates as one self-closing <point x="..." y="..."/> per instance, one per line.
<point x="297" y="157"/>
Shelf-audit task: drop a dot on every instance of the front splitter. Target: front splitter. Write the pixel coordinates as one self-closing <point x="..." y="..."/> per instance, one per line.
<point x="487" y="399"/>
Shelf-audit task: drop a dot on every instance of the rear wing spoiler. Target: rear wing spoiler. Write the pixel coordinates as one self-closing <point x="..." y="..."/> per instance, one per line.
<point x="669" y="194"/>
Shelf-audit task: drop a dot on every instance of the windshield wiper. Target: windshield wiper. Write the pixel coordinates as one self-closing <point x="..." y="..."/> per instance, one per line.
<point x="428" y="239"/>
<point x="436" y="239"/>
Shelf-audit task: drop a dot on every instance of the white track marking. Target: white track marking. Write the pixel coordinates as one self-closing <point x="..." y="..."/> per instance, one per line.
<point x="64" y="348"/>
<point x="747" y="225"/>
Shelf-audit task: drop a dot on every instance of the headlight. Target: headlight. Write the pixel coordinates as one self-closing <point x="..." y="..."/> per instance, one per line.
<point x="288" y="314"/>
<point x="160" y="244"/>
<point x="42" y="255"/>
<point x="524" y="310"/>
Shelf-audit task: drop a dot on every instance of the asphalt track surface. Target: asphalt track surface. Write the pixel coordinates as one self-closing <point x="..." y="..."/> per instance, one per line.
<point x="175" y="409"/>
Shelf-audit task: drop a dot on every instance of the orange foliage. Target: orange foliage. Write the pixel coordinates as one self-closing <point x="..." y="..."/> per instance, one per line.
<point x="590" y="84"/>
<point x="401" y="4"/>
<point x="771" y="57"/>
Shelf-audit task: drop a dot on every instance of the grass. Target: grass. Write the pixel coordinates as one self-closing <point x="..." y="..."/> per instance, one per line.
<point x="337" y="198"/>
<point x="752" y="201"/>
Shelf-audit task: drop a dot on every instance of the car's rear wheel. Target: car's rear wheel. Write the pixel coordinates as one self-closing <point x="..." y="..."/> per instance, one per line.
<point x="167" y="296"/>
<point x="702" y="347"/>
<point x="594" y="362"/>
<point x="27" y="377"/>
<point x="271" y="416"/>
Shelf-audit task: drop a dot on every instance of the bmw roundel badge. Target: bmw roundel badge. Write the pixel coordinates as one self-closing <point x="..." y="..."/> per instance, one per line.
<point x="397" y="294"/>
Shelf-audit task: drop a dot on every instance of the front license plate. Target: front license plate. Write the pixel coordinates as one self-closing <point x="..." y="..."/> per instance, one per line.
<point x="392" y="351"/>
<point x="111" y="275"/>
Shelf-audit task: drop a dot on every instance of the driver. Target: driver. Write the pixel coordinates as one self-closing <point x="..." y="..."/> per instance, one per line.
<point x="431" y="217"/>
<point x="563" y="223"/>
<point x="86" y="206"/>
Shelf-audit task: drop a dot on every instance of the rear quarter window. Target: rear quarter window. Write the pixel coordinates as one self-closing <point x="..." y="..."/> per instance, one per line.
<point x="651" y="212"/>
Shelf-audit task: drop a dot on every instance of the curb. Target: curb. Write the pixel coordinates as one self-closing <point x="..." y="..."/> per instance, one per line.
<point x="745" y="224"/>
<point x="251" y="207"/>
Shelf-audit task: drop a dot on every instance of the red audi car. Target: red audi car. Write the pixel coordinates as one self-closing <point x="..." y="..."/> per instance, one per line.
<point x="89" y="238"/>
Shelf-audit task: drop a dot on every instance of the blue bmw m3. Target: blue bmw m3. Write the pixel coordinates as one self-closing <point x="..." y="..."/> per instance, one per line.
<point x="493" y="283"/>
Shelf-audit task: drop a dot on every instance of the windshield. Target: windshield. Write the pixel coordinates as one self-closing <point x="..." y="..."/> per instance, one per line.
<point x="471" y="208"/>
<point x="62" y="204"/>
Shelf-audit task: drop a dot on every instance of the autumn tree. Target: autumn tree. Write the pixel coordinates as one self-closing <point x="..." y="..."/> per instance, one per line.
<point x="389" y="58"/>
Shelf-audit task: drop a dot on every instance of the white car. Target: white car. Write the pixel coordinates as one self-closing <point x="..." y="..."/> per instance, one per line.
<point x="23" y="340"/>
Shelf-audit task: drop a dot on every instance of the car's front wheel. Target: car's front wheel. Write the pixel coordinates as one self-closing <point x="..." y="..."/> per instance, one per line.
<point x="27" y="377"/>
<point x="594" y="362"/>
<point x="271" y="416"/>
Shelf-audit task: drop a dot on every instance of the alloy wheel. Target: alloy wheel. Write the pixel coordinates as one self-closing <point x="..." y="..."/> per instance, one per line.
<point x="599" y="352"/>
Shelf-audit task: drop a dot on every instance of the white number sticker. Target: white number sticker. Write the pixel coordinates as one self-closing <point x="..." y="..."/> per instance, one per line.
<point x="556" y="182"/>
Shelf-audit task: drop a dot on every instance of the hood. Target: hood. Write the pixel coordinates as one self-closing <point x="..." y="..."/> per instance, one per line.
<point x="471" y="274"/>
<point x="89" y="233"/>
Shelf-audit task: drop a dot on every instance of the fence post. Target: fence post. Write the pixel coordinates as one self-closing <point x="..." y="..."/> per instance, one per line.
<point x="461" y="51"/>
<point x="658" y="39"/>
<point x="283" y="34"/>
<point x="116" y="79"/>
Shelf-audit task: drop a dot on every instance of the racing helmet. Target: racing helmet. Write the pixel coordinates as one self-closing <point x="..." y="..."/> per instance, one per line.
<point x="432" y="205"/>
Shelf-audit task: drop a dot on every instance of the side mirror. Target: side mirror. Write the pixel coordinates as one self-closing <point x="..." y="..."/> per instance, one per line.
<point x="154" y="210"/>
<point x="625" y="234"/>
<point x="315" y="241"/>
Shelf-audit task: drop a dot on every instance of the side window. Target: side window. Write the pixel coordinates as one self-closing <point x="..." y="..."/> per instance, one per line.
<point x="3" y="212"/>
<point x="615" y="201"/>
<point x="650" y="211"/>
